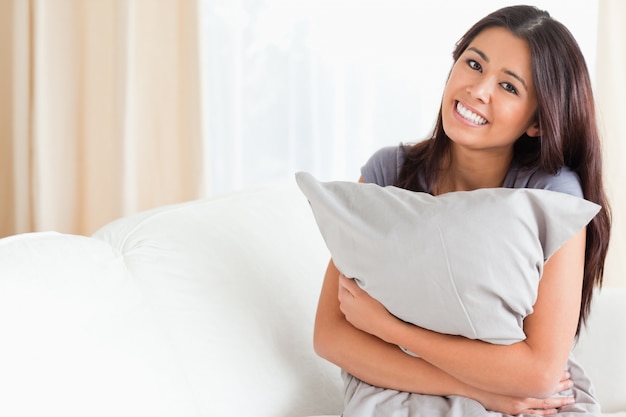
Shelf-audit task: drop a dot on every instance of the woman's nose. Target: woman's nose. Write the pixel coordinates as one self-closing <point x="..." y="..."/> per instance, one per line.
<point x="481" y="90"/>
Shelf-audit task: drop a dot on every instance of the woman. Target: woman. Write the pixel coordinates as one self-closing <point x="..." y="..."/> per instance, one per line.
<point x="517" y="111"/>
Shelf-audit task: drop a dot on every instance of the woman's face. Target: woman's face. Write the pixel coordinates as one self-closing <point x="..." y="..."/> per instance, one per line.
<point x="489" y="100"/>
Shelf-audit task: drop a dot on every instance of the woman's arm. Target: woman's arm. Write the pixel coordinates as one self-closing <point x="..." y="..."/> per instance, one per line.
<point x="369" y="358"/>
<point x="531" y="368"/>
<point x="382" y="364"/>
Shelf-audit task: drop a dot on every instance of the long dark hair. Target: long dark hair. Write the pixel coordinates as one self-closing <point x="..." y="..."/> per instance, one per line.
<point x="567" y="121"/>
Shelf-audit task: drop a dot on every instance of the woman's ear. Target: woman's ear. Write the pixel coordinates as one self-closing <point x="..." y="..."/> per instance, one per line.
<point x="533" y="130"/>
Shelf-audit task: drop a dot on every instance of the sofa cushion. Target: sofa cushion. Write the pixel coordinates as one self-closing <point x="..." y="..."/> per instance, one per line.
<point x="78" y="334"/>
<point x="233" y="283"/>
<point x="601" y="346"/>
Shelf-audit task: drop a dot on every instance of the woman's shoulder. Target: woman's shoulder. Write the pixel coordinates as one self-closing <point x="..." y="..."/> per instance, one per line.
<point x="383" y="167"/>
<point x="564" y="181"/>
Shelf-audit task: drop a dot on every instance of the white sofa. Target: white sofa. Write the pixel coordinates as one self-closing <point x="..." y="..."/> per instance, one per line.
<point x="198" y="309"/>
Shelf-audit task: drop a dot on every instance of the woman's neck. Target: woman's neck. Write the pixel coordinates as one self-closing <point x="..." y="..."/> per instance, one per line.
<point x="472" y="170"/>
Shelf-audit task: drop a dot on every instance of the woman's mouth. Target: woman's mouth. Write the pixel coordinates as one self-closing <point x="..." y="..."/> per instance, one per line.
<point x="469" y="115"/>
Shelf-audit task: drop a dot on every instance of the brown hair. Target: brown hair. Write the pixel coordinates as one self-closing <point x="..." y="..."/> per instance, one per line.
<point x="567" y="121"/>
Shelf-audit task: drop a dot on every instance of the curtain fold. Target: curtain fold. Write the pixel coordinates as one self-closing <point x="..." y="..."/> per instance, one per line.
<point x="15" y="167"/>
<point x="610" y="90"/>
<point x="100" y="111"/>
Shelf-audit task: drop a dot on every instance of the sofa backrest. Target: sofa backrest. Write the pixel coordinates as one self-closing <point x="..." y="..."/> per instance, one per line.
<point x="601" y="348"/>
<point x="233" y="283"/>
<point x="198" y="309"/>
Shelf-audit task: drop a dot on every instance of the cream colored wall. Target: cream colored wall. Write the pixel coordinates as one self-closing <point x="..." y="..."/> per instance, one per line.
<point x="610" y="91"/>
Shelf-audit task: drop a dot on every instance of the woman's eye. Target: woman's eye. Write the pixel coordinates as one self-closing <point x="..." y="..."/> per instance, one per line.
<point x="474" y="65"/>
<point x="509" y="87"/>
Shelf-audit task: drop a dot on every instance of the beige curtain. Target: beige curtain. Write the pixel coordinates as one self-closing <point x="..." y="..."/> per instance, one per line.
<point x="611" y="90"/>
<point x="99" y="111"/>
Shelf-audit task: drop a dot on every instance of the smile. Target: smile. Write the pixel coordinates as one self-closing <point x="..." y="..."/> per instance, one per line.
<point x="469" y="116"/>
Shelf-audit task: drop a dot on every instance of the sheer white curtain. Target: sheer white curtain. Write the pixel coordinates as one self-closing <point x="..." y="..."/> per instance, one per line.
<point x="319" y="85"/>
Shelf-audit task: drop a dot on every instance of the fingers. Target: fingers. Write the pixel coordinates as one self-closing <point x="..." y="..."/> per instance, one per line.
<point x="539" y="412"/>
<point x="564" y="386"/>
<point x="345" y="288"/>
<point x="549" y="406"/>
<point x="550" y="412"/>
<point x="348" y="285"/>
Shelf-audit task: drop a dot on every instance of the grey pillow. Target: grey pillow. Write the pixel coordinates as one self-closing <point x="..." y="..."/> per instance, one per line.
<point x="463" y="263"/>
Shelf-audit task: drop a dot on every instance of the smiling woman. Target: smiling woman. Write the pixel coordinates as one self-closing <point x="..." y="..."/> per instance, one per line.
<point x="517" y="112"/>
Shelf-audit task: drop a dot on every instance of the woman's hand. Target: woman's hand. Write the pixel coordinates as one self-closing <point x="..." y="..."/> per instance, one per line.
<point x="367" y="314"/>
<point x="362" y="310"/>
<point x="538" y="406"/>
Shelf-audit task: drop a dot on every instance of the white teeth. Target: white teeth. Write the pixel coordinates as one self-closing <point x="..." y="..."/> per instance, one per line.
<point x="472" y="117"/>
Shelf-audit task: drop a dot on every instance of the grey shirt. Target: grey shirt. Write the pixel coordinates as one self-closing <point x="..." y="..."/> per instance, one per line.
<point x="384" y="166"/>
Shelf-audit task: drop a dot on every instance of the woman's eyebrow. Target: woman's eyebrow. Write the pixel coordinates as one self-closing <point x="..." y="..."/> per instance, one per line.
<point x="479" y="52"/>
<point x="509" y="72"/>
<point x="517" y="77"/>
